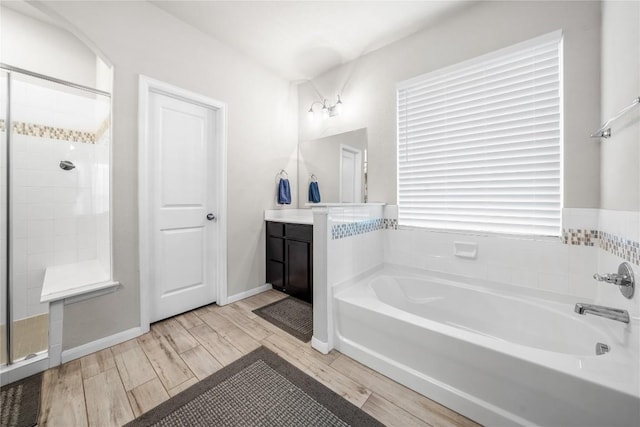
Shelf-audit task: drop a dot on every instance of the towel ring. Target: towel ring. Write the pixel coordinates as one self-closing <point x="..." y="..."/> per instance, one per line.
<point x="283" y="172"/>
<point x="313" y="178"/>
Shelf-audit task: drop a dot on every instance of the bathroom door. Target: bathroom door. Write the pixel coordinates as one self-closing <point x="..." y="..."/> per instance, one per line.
<point x="184" y="205"/>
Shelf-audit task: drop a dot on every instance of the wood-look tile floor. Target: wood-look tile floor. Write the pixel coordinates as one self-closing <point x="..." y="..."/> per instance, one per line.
<point x="115" y="385"/>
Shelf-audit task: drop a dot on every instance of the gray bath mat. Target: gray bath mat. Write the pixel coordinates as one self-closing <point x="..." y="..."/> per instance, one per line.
<point x="260" y="389"/>
<point x="291" y="315"/>
<point x="20" y="402"/>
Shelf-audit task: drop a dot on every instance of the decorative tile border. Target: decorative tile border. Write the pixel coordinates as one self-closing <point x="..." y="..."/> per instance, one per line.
<point x="390" y="224"/>
<point x="619" y="246"/>
<point x="41" y="131"/>
<point x="579" y="236"/>
<point x="102" y="129"/>
<point x="622" y="247"/>
<point x="340" y="231"/>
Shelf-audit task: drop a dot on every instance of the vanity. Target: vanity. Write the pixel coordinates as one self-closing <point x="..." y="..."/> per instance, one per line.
<point x="289" y="252"/>
<point x="338" y="165"/>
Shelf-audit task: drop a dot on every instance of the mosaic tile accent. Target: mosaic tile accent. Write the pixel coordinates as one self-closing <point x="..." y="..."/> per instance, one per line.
<point x="340" y="231"/>
<point x="41" y="131"/>
<point x="579" y="236"/>
<point x="102" y="129"/>
<point x="390" y="224"/>
<point x="619" y="246"/>
<point x="622" y="247"/>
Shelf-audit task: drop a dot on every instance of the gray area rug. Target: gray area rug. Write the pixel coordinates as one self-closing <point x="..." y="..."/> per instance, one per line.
<point x="259" y="389"/>
<point x="291" y="315"/>
<point x="20" y="402"/>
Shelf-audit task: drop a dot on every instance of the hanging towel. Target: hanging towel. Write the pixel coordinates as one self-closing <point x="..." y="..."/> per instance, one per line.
<point x="314" y="192"/>
<point x="284" y="192"/>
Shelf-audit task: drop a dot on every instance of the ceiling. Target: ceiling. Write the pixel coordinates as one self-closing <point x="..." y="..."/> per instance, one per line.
<point x="300" y="40"/>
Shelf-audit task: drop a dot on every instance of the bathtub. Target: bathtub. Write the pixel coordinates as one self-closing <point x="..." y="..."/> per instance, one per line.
<point x="497" y="354"/>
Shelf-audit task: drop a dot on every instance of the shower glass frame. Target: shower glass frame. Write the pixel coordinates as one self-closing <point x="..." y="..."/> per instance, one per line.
<point x="70" y="89"/>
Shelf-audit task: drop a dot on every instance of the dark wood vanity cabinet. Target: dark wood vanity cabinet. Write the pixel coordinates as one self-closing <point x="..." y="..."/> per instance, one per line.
<point x="290" y="259"/>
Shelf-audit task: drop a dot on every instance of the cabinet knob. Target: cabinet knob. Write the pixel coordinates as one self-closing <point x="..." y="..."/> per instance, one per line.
<point x="211" y="217"/>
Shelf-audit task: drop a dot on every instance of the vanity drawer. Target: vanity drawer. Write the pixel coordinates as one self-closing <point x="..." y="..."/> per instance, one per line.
<point x="275" y="229"/>
<point x="300" y="232"/>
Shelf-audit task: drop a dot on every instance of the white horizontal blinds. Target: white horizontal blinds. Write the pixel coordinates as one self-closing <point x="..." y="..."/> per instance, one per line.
<point x="479" y="144"/>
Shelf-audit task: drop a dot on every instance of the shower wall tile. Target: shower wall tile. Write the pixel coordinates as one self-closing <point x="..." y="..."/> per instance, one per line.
<point x="54" y="210"/>
<point x="19" y="296"/>
<point x="34" y="279"/>
<point x="64" y="226"/>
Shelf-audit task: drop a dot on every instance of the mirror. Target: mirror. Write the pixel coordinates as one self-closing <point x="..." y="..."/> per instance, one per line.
<point x="338" y="164"/>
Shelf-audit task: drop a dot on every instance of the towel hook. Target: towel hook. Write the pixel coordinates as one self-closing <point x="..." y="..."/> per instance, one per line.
<point x="313" y="178"/>
<point x="283" y="172"/>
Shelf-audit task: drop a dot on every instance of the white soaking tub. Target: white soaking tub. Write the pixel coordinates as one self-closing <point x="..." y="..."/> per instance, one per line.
<point x="497" y="354"/>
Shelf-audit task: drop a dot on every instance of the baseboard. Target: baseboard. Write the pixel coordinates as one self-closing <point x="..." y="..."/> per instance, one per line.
<point x="249" y="293"/>
<point x="100" y="344"/>
<point x="322" y="347"/>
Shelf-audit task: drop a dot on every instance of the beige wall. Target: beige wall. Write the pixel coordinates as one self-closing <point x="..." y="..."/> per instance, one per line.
<point x="31" y="44"/>
<point x="370" y="84"/>
<point x="139" y="38"/>
<point x="620" y="168"/>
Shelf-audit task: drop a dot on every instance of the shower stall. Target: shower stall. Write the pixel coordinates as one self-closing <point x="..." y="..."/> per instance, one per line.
<point x="54" y="204"/>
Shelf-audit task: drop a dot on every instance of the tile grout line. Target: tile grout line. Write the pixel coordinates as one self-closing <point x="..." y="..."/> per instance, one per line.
<point x="126" y="393"/>
<point x="222" y="337"/>
<point x="151" y="364"/>
<point x="203" y="346"/>
<point x="84" y="394"/>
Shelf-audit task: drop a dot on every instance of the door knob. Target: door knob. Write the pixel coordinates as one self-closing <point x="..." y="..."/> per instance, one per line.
<point x="211" y="217"/>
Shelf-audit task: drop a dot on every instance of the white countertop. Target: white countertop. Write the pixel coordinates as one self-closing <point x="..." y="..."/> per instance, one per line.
<point x="333" y="205"/>
<point x="65" y="281"/>
<point x="295" y="216"/>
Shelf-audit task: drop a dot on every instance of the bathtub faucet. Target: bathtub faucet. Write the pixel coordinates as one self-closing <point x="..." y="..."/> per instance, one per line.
<point x="602" y="311"/>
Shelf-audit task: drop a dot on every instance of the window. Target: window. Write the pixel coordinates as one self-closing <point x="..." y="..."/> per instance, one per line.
<point x="479" y="143"/>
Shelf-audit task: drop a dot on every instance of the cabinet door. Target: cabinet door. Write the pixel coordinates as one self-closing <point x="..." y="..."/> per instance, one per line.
<point x="298" y="266"/>
<point x="275" y="274"/>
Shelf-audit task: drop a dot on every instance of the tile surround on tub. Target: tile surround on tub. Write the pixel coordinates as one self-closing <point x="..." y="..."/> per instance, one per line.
<point x="613" y="231"/>
<point x="624" y="248"/>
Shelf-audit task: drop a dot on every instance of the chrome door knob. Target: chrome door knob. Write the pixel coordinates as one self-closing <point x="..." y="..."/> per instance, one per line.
<point x="211" y="217"/>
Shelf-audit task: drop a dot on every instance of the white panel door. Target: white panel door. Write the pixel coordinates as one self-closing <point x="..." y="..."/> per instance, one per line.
<point x="184" y="230"/>
<point x="350" y="174"/>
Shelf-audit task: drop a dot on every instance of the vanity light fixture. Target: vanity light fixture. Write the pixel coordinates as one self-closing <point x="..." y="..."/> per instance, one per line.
<point x="327" y="110"/>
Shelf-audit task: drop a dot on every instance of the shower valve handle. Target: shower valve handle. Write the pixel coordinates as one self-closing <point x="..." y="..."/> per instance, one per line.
<point x="616" y="279"/>
<point x="624" y="279"/>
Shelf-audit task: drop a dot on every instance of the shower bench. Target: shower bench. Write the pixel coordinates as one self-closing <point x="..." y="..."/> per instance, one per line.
<point x="66" y="284"/>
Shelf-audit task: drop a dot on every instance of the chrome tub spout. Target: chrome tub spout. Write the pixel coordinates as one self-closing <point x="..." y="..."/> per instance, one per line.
<point x="602" y="311"/>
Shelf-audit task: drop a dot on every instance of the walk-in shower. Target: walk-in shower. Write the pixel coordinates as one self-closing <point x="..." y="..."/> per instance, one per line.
<point x="54" y="199"/>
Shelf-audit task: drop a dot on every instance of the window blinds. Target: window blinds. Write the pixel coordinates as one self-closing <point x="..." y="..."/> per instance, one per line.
<point x="479" y="143"/>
